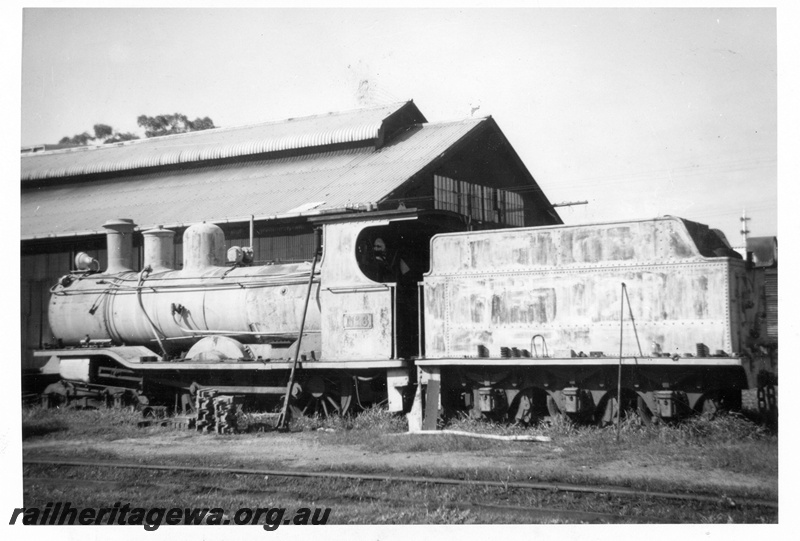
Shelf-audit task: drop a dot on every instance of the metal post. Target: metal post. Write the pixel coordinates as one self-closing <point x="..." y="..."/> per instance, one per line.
<point x="283" y="420"/>
<point x="252" y="232"/>
<point x="420" y="338"/>
<point x="393" y="291"/>
<point x="633" y="321"/>
<point x="619" y="370"/>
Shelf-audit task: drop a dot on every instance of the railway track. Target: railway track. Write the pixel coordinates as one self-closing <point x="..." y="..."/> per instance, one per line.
<point x="515" y="513"/>
<point x="518" y="512"/>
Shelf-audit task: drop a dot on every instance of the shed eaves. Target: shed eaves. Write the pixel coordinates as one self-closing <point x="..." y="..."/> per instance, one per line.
<point x="278" y="187"/>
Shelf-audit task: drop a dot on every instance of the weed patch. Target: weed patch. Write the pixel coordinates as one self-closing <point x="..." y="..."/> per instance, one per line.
<point x="103" y="423"/>
<point x="370" y="425"/>
<point x="41" y="427"/>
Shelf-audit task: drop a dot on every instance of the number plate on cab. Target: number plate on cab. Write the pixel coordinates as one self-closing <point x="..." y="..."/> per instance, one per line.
<point x="357" y="321"/>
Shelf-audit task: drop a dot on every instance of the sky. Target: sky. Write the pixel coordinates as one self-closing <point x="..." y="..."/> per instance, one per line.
<point x="640" y="112"/>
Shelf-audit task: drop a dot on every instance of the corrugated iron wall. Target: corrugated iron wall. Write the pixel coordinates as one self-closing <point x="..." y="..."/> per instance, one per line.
<point x="282" y="245"/>
<point x="38" y="274"/>
<point x="771" y="294"/>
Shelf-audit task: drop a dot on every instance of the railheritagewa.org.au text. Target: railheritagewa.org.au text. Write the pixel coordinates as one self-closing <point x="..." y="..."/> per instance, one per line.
<point x="64" y="513"/>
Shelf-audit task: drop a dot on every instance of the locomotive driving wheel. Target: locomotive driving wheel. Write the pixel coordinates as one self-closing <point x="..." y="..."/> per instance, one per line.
<point x="323" y="396"/>
<point x="56" y="395"/>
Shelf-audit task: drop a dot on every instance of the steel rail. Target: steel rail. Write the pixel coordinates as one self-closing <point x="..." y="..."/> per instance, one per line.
<point x="554" y="487"/>
<point x="540" y="512"/>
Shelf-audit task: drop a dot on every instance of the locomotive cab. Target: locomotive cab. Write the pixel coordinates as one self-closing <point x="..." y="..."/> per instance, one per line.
<point x="371" y="271"/>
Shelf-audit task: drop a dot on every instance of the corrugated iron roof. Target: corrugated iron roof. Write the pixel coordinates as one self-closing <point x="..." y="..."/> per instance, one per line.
<point x="364" y="125"/>
<point x="765" y="250"/>
<point x="231" y="192"/>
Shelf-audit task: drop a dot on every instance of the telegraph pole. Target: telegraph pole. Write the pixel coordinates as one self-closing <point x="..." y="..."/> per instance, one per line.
<point x="744" y="219"/>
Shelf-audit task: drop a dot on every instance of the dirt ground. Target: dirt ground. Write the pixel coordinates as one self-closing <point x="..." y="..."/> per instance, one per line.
<point x="319" y="451"/>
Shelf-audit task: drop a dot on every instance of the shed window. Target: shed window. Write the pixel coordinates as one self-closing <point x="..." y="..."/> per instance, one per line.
<point x="478" y="202"/>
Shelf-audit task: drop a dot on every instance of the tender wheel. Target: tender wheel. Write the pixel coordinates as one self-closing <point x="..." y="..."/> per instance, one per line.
<point x="527" y="407"/>
<point x="608" y="412"/>
<point x="718" y="402"/>
<point x="558" y="415"/>
<point x="646" y="415"/>
<point x="610" y="408"/>
<point x="553" y="409"/>
<point x="709" y="406"/>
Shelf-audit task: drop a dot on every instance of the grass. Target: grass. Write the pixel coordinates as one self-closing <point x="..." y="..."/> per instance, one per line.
<point x="352" y="502"/>
<point x="104" y="424"/>
<point x="724" y="429"/>
<point x="373" y="419"/>
<point x="719" y="446"/>
<point x="729" y="441"/>
<point x="725" y="444"/>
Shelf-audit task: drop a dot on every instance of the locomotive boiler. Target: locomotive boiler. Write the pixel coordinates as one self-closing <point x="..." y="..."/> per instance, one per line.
<point x="654" y="316"/>
<point x="169" y="309"/>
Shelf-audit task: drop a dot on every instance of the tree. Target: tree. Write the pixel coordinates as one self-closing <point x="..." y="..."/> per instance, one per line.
<point x="156" y="126"/>
<point x="102" y="131"/>
<point x="199" y="124"/>
<point x="78" y="140"/>
<point x="103" y="134"/>
<point x="108" y="135"/>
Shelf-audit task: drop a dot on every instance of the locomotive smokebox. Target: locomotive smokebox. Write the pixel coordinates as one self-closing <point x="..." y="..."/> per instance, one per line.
<point x="119" y="238"/>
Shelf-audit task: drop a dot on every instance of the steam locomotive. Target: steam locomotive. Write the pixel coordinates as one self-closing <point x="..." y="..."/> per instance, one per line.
<point x="657" y="316"/>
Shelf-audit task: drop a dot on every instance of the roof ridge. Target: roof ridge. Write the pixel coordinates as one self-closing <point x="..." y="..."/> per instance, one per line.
<point x="364" y="124"/>
<point x="459" y="120"/>
<point x="398" y="105"/>
<point x="320" y="115"/>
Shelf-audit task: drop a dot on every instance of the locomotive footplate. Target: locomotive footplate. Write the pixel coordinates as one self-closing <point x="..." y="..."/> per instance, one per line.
<point x="142" y="359"/>
<point x="169" y="380"/>
<point x="582" y="361"/>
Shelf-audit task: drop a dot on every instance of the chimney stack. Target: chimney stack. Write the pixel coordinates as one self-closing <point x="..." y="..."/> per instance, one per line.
<point x="119" y="240"/>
